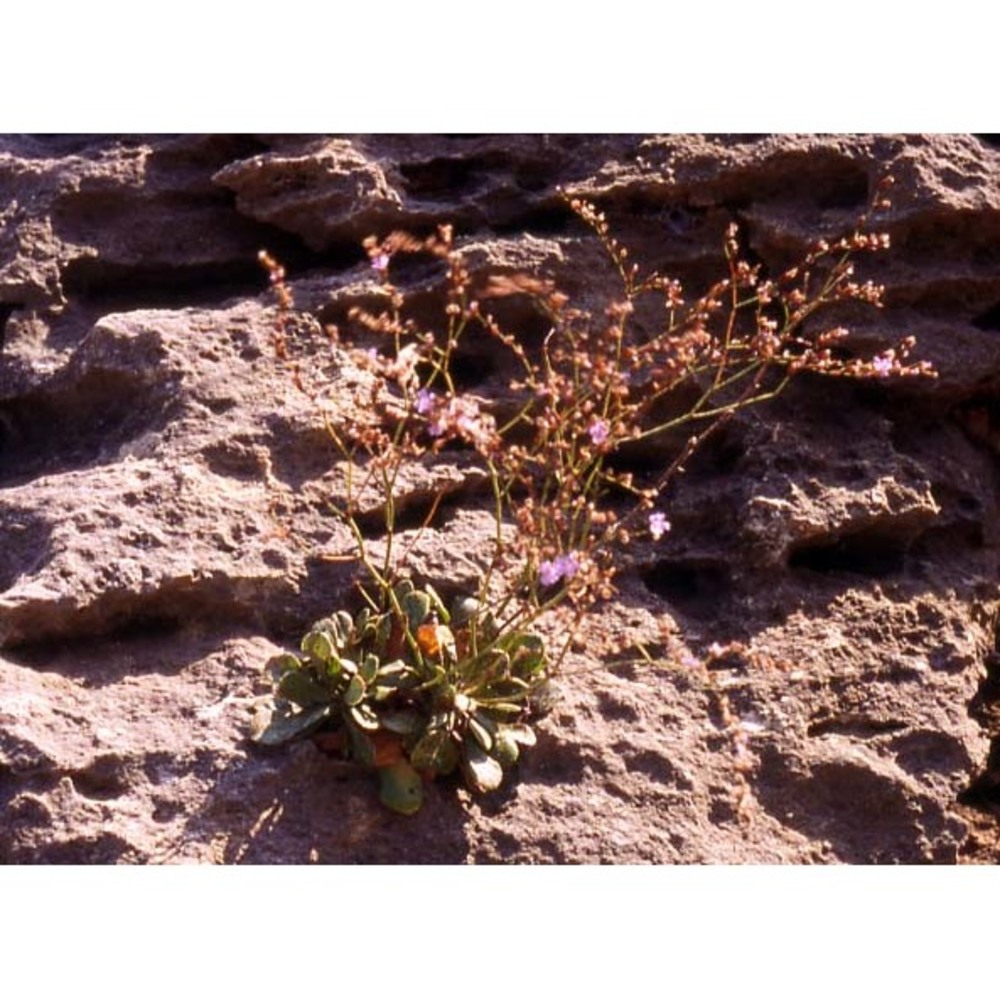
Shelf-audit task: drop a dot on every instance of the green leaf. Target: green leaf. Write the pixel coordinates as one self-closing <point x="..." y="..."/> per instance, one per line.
<point x="355" y="691"/>
<point x="506" y="707"/>
<point x="416" y="606"/>
<point x="517" y="684"/>
<point x="281" y="664"/>
<point x="362" y="748"/>
<point x="383" y="634"/>
<point x="438" y="605"/>
<point x="392" y="678"/>
<point x="344" y="628"/>
<point x="522" y="733"/>
<point x="394" y="669"/>
<point x="400" y="788"/>
<point x="299" y="687"/>
<point x="435" y="751"/>
<point x="482" y="730"/>
<point x="361" y="619"/>
<point x="284" y="727"/>
<point x="364" y="716"/>
<point x="405" y="721"/>
<point x="527" y="653"/>
<point x="493" y="665"/>
<point x="482" y="772"/>
<point x="327" y="625"/>
<point x="319" y="645"/>
<point x="368" y="668"/>
<point x="505" y="748"/>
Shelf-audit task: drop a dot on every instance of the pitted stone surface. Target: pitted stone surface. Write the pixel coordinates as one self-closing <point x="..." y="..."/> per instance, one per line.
<point x="165" y="490"/>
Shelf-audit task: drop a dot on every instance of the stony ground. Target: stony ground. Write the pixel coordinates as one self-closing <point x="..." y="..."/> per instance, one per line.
<point x="164" y="523"/>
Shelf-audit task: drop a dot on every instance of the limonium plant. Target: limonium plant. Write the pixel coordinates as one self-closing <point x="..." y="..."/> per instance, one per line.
<point x="414" y="686"/>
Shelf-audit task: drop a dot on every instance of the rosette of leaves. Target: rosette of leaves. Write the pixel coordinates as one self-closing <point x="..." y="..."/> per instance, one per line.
<point x="413" y="690"/>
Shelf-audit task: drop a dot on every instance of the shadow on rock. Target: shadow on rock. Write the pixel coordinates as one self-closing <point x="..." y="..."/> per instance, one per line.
<point x="298" y="806"/>
<point x="863" y="806"/>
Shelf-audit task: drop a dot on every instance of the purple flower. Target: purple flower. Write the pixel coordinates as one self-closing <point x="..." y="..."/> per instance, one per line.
<point x="882" y="366"/>
<point x="380" y="262"/>
<point x="425" y="401"/>
<point x="561" y="568"/>
<point x="658" y="525"/>
<point x="598" y="431"/>
<point x="568" y="565"/>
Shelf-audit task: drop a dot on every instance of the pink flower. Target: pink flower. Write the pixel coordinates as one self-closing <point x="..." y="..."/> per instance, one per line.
<point x="425" y="401"/>
<point x="882" y="366"/>
<point x="598" y="431"/>
<point x="658" y="525"/>
<point x="561" y="568"/>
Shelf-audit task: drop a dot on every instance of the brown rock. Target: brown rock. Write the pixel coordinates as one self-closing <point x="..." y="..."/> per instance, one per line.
<point x="165" y="491"/>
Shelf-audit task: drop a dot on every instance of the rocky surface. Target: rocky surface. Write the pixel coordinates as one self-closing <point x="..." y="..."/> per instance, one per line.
<point x="164" y="528"/>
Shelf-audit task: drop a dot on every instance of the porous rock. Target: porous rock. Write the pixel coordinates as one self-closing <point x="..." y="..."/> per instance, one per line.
<point x="808" y="667"/>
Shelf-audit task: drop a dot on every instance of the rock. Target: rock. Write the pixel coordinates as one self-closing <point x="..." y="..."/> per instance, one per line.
<point x="330" y="190"/>
<point x="803" y="670"/>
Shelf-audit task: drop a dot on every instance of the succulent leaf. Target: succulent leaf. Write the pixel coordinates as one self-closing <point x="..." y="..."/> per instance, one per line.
<point x="482" y="730"/>
<point x="363" y="749"/>
<point x="297" y="686"/>
<point x="505" y="748"/>
<point x="527" y="653"/>
<point x="482" y="772"/>
<point x="355" y="691"/>
<point x="416" y="606"/>
<point x="437" y="604"/>
<point x="435" y="751"/>
<point x="522" y="733"/>
<point x="368" y="668"/>
<point x="396" y="673"/>
<point x="319" y="645"/>
<point x="283" y="727"/>
<point x="344" y="628"/>
<point x="405" y="722"/>
<point x="383" y="635"/>
<point x="281" y="664"/>
<point x="506" y="707"/>
<point x="400" y="788"/>
<point x="363" y="716"/>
